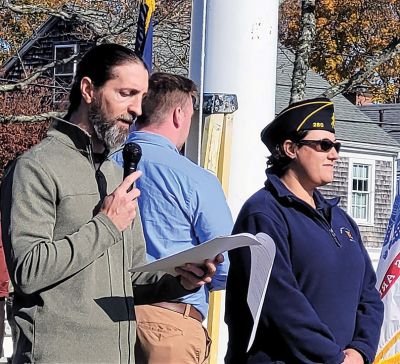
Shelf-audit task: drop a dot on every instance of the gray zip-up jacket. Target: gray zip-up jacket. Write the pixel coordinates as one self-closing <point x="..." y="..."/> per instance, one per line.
<point x="68" y="263"/>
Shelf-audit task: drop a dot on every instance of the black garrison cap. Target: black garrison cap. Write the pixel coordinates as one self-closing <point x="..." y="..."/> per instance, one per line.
<point x="312" y="114"/>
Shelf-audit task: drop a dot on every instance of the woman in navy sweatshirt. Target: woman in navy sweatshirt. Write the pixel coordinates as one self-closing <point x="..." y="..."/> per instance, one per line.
<point x="321" y="304"/>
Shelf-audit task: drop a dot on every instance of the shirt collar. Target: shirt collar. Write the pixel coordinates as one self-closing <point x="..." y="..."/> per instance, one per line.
<point x="152" y="138"/>
<point x="283" y="192"/>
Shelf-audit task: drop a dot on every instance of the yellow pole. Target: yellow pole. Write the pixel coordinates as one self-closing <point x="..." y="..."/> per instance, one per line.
<point x="215" y="157"/>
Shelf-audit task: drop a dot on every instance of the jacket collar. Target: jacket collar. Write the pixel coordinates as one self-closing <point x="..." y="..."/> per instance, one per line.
<point x="280" y="190"/>
<point x="70" y="134"/>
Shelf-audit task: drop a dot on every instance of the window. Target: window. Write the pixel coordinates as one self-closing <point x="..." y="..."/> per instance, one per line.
<point x="361" y="191"/>
<point x="63" y="73"/>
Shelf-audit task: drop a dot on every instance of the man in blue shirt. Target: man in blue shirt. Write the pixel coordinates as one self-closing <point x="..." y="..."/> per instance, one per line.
<point x="182" y="205"/>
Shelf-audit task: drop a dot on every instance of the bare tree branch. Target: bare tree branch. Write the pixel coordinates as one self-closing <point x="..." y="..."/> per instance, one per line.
<point x="359" y="77"/>
<point x="34" y="76"/>
<point x="22" y="64"/>
<point x="30" y="118"/>
<point x="64" y="13"/>
<point x="102" y="23"/>
<point x="301" y="63"/>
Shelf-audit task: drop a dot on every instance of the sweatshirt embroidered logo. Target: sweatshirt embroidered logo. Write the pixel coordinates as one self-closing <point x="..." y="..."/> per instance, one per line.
<point x="345" y="231"/>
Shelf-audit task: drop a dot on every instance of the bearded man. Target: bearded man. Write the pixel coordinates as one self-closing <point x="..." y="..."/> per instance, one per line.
<point x="67" y="224"/>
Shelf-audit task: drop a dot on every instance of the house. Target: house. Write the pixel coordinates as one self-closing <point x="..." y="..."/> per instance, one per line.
<point x="387" y="117"/>
<point x="55" y="40"/>
<point x="365" y="175"/>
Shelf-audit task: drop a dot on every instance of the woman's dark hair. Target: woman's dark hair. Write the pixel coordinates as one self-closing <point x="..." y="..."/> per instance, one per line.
<point x="98" y="64"/>
<point x="278" y="162"/>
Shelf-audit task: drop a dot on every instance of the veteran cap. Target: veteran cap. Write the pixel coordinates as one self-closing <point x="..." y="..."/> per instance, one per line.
<point x="312" y="114"/>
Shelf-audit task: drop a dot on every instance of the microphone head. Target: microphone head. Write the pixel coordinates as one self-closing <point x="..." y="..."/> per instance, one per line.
<point x="131" y="153"/>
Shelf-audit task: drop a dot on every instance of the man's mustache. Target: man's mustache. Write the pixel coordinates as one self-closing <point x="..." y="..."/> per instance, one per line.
<point x="128" y="118"/>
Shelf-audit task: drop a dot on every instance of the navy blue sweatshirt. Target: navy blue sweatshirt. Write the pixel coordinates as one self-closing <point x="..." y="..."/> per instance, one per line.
<point x="321" y="298"/>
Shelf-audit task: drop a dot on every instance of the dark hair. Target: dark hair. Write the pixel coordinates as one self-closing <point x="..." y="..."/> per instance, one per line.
<point x="97" y="64"/>
<point x="278" y="162"/>
<point x="165" y="91"/>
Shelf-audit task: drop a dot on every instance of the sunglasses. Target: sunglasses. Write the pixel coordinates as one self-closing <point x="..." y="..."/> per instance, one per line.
<point x="323" y="145"/>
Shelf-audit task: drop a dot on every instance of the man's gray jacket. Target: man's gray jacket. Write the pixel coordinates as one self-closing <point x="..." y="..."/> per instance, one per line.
<point x="68" y="262"/>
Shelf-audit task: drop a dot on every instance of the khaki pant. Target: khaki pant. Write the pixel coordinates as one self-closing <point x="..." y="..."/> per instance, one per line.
<point x="168" y="337"/>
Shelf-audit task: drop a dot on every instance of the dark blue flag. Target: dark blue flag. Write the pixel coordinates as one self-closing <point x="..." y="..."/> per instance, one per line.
<point x="144" y="33"/>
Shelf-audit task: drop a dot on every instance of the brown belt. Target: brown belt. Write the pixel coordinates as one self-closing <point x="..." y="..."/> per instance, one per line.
<point x="181" y="308"/>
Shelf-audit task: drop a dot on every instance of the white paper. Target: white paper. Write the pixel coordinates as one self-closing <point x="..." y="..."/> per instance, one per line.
<point x="262" y="259"/>
<point x="196" y="255"/>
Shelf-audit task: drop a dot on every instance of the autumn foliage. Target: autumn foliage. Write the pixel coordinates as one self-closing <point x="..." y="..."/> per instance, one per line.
<point x="16" y="27"/>
<point x="95" y="20"/>
<point x="15" y="138"/>
<point x="349" y="33"/>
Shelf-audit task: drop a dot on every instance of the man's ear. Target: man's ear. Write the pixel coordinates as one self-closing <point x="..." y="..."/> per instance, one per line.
<point x="289" y="148"/>
<point x="177" y="117"/>
<point x="87" y="90"/>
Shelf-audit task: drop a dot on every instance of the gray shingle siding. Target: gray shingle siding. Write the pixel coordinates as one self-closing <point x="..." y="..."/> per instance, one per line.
<point x="339" y="186"/>
<point x="372" y="235"/>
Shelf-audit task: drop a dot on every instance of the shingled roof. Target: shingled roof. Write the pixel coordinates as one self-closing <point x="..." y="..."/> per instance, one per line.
<point x="386" y="114"/>
<point x="27" y="45"/>
<point x="352" y="125"/>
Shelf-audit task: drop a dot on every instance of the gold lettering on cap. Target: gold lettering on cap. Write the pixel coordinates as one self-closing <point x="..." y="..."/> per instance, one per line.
<point x="333" y="121"/>
<point x="317" y="125"/>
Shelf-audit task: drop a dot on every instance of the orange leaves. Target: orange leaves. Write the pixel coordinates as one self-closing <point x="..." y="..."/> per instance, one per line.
<point x="349" y="34"/>
<point x="18" y="137"/>
<point x="328" y="5"/>
<point x="321" y="22"/>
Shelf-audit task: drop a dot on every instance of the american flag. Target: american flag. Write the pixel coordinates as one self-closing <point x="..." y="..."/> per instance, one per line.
<point x="388" y="285"/>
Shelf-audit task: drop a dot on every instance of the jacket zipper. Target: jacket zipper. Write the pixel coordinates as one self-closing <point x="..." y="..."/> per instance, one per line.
<point x="324" y="222"/>
<point x="91" y="156"/>
<point x="335" y="238"/>
<point x="329" y="228"/>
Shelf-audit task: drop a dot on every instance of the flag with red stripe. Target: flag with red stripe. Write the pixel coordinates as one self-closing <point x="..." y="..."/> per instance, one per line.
<point x="388" y="284"/>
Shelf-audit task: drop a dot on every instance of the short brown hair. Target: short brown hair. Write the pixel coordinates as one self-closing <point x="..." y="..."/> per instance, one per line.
<point x="166" y="91"/>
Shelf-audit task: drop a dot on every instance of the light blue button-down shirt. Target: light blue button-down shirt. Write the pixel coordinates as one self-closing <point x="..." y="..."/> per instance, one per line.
<point x="181" y="205"/>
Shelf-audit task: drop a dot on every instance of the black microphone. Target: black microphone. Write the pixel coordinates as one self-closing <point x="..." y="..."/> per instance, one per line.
<point x="131" y="155"/>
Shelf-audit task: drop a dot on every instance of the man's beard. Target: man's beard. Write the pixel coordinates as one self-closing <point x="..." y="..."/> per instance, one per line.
<point x="107" y="129"/>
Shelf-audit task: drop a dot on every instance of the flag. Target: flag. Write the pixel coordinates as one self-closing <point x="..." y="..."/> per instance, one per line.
<point x="144" y="33"/>
<point x="388" y="284"/>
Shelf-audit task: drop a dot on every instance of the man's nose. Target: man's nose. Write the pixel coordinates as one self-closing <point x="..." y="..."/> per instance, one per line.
<point x="135" y="106"/>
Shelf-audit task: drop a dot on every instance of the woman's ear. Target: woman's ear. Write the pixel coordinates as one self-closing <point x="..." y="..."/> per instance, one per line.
<point x="289" y="148"/>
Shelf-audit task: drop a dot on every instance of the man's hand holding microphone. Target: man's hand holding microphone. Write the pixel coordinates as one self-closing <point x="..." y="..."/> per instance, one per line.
<point x="120" y="206"/>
